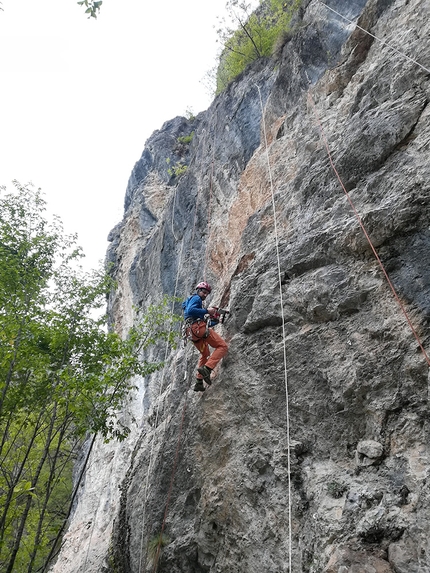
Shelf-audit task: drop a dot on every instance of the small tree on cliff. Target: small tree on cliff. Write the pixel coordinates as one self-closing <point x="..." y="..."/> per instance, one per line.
<point x="247" y="35"/>
<point x="62" y="375"/>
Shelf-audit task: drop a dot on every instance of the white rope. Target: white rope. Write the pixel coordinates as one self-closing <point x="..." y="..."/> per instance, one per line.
<point x="173" y="230"/>
<point x="157" y="415"/>
<point x="162" y="379"/>
<point x="283" y="337"/>
<point x="376" y="38"/>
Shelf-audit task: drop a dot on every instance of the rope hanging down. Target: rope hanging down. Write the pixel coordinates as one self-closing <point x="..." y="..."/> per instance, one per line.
<point x="145" y="498"/>
<point x="209" y="215"/>
<point x="360" y="222"/>
<point x="281" y="296"/>
<point x="159" y="545"/>
<point x="151" y="455"/>
<point x="278" y="259"/>
<point x="376" y="38"/>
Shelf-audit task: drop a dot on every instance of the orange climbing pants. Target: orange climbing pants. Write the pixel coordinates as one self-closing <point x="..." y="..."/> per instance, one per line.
<point x="213" y="340"/>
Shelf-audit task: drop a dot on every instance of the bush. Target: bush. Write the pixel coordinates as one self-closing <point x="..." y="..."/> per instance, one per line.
<point x="255" y="37"/>
<point x="186" y="139"/>
<point x="176" y="170"/>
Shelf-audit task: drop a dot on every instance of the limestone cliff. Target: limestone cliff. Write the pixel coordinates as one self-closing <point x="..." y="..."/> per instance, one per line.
<point x="347" y="490"/>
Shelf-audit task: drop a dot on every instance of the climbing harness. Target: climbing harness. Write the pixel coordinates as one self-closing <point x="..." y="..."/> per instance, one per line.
<point x="190" y="334"/>
<point x="157" y="555"/>
<point x="191" y="329"/>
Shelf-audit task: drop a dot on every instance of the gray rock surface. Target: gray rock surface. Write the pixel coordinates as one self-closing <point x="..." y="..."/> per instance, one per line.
<point x="331" y="449"/>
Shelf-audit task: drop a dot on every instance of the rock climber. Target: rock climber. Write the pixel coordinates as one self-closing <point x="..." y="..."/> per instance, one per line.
<point x="199" y="323"/>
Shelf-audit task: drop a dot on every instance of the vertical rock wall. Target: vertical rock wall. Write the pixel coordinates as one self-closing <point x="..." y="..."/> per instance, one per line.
<point x="216" y="471"/>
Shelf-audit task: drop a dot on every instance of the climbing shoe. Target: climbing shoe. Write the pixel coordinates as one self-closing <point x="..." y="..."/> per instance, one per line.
<point x="206" y="373"/>
<point x="198" y="387"/>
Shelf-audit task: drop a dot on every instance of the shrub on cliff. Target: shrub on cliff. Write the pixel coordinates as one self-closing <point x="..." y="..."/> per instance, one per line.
<point x="254" y="35"/>
<point x="62" y="374"/>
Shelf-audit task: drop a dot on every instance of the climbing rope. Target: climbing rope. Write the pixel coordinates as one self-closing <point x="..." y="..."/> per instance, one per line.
<point x="169" y="494"/>
<point x="360" y="222"/>
<point x="156" y="420"/>
<point x="278" y="259"/>
<point x="387" y="44"/>
<point x="160" y="541"/>
<point x="209" y="214"/>
<point x="150" y="464"/>
<point x="280" y="294"/>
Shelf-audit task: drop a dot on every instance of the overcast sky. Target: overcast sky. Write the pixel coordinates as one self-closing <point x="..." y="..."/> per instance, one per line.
<point x="79" y="97"/>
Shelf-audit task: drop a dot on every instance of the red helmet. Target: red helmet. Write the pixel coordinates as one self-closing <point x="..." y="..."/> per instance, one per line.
<point x="204" y="285"/>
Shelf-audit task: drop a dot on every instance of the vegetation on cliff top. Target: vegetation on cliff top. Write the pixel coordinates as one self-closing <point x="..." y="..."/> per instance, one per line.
<point x="256" y="35"/>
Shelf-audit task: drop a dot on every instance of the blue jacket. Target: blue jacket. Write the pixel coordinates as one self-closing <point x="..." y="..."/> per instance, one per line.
<point x="193" y="307"/>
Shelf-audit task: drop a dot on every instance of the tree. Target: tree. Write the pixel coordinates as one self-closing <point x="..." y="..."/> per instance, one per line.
<point x="249" y="35"/>
<point x="63" y="375"/>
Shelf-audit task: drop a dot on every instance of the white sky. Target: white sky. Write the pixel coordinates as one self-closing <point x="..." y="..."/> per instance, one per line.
<point x="79" y="97"/>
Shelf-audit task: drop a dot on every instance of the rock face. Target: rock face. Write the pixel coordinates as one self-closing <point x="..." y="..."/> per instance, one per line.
<point x="310" y="451"/>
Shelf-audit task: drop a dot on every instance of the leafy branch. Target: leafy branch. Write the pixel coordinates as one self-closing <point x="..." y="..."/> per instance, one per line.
<point x="92" y="7"/>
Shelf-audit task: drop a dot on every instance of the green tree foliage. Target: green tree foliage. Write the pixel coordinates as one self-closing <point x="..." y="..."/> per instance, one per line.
<point x="92" y="7"/>
<point x="63" y="375"/>
<point x="251" y="35"/>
